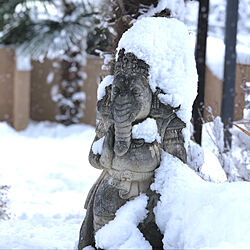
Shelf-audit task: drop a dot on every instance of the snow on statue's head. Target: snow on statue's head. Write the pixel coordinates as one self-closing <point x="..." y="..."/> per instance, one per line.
<point x="164" y="45"/>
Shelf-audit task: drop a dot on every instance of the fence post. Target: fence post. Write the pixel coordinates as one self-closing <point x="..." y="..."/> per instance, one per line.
<point x="200" y="56"/>
<point x="227" y="107"/>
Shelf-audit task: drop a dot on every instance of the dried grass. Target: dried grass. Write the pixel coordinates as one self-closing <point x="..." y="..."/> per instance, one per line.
<point x="242" y="129"/>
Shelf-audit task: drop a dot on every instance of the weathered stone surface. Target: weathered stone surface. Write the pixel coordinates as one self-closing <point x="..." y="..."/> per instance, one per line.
<point x="128" y="164"/>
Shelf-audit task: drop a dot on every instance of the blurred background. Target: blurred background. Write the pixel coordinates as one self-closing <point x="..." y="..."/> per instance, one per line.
<point x="52" y="53"/>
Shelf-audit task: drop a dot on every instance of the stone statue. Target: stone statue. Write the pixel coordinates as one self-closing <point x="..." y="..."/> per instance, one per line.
<point x="128" y="164"/>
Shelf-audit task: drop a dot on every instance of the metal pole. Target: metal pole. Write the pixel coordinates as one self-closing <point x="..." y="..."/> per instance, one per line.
<point x="200" y="56"/>
<point x="227" y="107"/>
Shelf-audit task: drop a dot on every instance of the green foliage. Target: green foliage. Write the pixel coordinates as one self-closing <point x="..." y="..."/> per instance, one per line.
<point x="53" y="29"/>
<point x="7" y="10"/>
<point x="38" y="33"/>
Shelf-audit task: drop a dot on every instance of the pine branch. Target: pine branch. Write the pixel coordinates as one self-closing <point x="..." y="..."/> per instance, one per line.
<point x="41" y="37"/>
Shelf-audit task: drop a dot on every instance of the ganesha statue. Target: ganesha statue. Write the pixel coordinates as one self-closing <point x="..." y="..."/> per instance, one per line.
<point x="127" y="162"/>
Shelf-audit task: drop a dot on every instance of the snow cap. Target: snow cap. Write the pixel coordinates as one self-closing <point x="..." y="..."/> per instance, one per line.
<point x="176" y="7"/>
<point x="164" y="44"/>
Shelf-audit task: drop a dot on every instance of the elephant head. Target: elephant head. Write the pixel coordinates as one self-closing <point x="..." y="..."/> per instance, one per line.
<point x="131" y="98"/>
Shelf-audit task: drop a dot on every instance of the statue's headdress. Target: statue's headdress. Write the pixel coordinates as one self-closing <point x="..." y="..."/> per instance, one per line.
<point x="129" y="64"/>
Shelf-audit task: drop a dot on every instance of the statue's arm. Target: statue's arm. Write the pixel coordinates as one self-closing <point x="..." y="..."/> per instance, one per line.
<point x="102" y="129"/>
<point x="173" y="141"/>
<point x="170" y="127"/>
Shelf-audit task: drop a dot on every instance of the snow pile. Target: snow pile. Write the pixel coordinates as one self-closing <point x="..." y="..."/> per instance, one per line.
<point x="166" y="48"/>
<point x="97" y="146"/>
<point x="101" y="92"/>
<point x="175" y="6"/>
<point x="49" y="178"/>
<point x="196" y="214"/>
<point x="211" y="169"/>
<point x="146" y="130"/>
<point x="122" y="232"/>
<point x="47" y="169"/>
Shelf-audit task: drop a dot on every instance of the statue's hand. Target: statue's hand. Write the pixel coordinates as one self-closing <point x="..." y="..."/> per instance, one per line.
<point x="94" y="160"/>
<point x="103" y="105"/>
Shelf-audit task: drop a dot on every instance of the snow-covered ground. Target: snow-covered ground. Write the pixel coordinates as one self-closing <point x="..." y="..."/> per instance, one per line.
<point x="47" y="169"/>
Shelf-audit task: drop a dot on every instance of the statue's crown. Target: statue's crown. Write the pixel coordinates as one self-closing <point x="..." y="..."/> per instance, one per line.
<point x="129" y="64"/>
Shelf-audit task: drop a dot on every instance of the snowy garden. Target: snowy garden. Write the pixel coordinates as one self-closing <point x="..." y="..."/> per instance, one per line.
<point x="204" y="204"/>
<point x="50" y="176"/>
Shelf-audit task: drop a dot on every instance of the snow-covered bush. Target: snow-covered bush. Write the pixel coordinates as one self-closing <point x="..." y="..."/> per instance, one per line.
<point x="234" y="161"/>
<point x="195" y="156"/>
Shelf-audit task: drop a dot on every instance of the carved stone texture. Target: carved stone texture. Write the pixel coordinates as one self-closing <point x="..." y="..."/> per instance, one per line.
<point x="128" y="164"/>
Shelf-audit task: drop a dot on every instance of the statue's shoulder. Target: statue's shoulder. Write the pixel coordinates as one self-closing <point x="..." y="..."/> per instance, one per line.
<point x="176" y="123"/>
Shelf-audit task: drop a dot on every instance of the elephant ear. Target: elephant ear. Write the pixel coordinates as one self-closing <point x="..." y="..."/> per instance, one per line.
<point x="103" y="105"/>
<point x="104" y="111"/>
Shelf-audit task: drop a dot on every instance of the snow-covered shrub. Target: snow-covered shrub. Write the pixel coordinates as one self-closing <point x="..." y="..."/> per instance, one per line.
<point x="3" y="202"/>
<point x="195" y="156"/>
<point x="196" y="214"/>
<point x="241" y="151"/>
<point x="235" y="161"/>
<point x="205" y="163"/>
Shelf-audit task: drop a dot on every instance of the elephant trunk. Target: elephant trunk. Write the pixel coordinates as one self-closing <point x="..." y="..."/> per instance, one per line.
<point x="122" y="138"/>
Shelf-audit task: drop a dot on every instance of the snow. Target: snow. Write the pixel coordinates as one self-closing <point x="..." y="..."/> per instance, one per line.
<point x="243" y="54"/>
<point x="166" y="48"/>
<point x="216" y="53"/>
<point x="23" y="62"/>
<point x="50" y="77"/>
<point x="49" y="175"/>
<point x="79" y="96"/>
<point x="47" y="169"/>
<point x="215" y="56"/>
<point x="235" y="162"/>
<point x="97" y="146"/>
<point x="199" y="214"/>
<point x="195" y="156"/>
<point x="122" y="232"/>
<point x="211" y="169"/>
<point x="175" y="6"/>
<point x="146" y="130"/>
<point x="216" y="32"/>
<point x="107" y="80"/>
